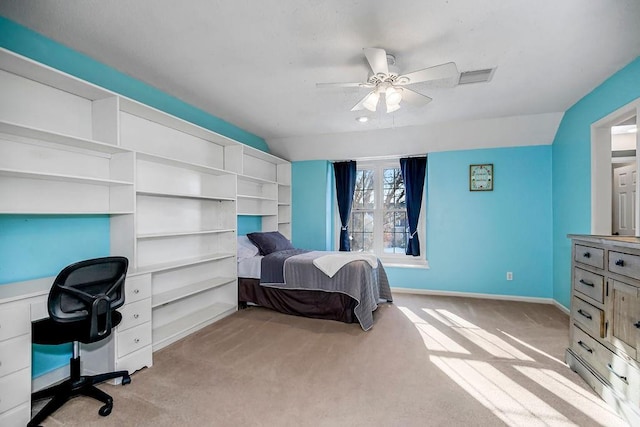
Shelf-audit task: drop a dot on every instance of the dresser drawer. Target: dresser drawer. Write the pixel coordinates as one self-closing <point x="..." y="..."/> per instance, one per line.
<point x="15" y="389"/>
<point x="16" y="417"/>
<point x="589" y="284"/>
<point x="589" y="256"/>
<point x="14" y="321"/>
<point x="137" y="288"/>
<point x="621" y="375"/>
<point x="133" y="339"/>
<point x="625" y="264"/>
<point x="590" y="317"/>
<point x="15" y="354"/>
<point x="135" y="313"/>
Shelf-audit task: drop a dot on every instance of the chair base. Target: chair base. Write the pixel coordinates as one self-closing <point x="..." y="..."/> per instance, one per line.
<point x="76" y="385"/>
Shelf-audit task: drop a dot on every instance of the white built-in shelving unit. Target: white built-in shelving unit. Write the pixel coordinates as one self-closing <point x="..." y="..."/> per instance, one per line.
<point x="172" y="191"/>
<point x="264" y="187"/>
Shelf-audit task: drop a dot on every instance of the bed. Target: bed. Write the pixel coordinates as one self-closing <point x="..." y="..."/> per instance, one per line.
<point x="342" y="286"/>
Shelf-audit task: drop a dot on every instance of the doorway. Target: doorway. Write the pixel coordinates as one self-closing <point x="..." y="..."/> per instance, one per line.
<point x="625" y="171"/>
<point x="614" y="165"/>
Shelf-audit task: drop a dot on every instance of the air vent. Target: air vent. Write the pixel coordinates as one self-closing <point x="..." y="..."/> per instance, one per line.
<point x="476" y="76"/>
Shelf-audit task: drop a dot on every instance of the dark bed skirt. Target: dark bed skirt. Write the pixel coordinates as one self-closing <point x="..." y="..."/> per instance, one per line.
<point x="307" y="303"/>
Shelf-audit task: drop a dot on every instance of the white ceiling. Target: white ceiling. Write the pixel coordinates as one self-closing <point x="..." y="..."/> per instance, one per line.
<point x="255" y="63"/>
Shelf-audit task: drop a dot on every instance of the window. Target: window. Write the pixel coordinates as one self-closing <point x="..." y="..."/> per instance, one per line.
<point x="378" y="222"/>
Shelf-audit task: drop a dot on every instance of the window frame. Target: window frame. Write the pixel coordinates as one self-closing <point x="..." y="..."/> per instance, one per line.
<point x="389" y="259"/>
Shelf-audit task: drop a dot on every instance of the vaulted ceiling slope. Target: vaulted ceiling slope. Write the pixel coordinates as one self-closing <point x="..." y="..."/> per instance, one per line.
<point x="256" y="63"/>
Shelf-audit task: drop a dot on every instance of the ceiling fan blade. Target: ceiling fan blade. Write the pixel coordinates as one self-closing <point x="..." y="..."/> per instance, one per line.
<point x="377" y="60"/>
<point x="330" y="85"/>
<point x="360" y="105"/>
<point x="414" y="98"/>
<point x="438" y="72"/>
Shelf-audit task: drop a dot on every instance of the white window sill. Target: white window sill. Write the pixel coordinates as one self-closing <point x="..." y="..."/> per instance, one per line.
<point x="419" y="263"/>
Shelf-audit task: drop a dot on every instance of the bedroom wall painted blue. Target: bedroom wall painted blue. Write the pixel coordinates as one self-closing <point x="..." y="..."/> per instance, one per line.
<point x="473" y="238"/>
<point x="33" y="246"/>
<point x="249" y="224"/>
<point x="27" y="262"/>
<point x="311" y="211"/>
<point x="572" y="168"/>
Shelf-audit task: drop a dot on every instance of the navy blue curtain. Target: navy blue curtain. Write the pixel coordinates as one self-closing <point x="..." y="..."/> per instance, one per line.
<point x="414" y="170"/>
<point x="345" y="173"/>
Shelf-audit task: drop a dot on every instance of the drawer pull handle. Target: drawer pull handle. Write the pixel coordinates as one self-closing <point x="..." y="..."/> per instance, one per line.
<point x="584" y="282"/>
<point x="136" y="291"/>
<point x="610" y="368"/>
<point x="586" y="347"/>
<point x="586" y="255"/>
<point x="135" y="316"/>
<point x="620" y="262"/>
<point x="637" y="324"/>
<point x="137" y="340"/>
<point x="585" y="314"/>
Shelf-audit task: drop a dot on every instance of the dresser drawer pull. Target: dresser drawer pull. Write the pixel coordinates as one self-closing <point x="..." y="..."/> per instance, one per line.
<point x="610" y="368"/>
<point x="584" y="282"/>
<point x="585" y="314"/>
<point x="620" y="262"/>
<point x="637" y="324"/>
<point x="586" y="347"/>
<point x="135" y="316"/>
<point x="586" y="255"/>
<point x="137" y="340"/>
<point x="136" y="291"/>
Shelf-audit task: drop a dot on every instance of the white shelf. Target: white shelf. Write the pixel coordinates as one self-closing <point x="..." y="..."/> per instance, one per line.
<point x="183" y="196"/>
<point x="179" y="163"/>
<point x="58" y="138"/>
<point x="188" y="290"/>
<point x="62" y="178"/>
<point x="166" y="334"/>
<point x="182" y="263"/>
<point x="60" y="212"/>
<point x="247" y="196"/>
<point x="182" y="233"/>
<point x="255" y="179"/>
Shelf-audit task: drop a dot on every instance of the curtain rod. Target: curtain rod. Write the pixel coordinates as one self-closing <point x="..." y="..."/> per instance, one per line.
<point x="367" y="159"/>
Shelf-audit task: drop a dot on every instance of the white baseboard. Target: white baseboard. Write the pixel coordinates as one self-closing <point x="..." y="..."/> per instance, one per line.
<point x="482" y="296"/>
<point x="562" y="307"/>
<point x="51" y="377"/>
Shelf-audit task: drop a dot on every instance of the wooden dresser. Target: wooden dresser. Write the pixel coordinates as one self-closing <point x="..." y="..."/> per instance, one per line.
<point x="605" y="319"/>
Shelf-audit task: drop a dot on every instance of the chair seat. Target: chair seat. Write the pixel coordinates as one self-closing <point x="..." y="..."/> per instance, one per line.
<point x="47" y="331"/>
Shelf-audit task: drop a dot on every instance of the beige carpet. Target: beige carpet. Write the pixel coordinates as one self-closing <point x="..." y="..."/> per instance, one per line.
<point x="428" y="361"/>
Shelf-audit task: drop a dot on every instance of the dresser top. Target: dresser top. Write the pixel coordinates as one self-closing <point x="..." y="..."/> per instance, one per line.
<point x="624" y="241"/>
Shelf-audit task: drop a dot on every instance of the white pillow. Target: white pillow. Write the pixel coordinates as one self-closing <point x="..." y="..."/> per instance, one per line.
<point x="246" y="249"/>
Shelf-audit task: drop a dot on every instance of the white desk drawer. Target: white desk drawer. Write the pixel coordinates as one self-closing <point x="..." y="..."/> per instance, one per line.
<point x="135" y="313"/>
<point x="16" y="417"/>
<point x="15" y="354"/>
<point x="15" y="389"/>
<point x="137" y="288"/>
<point x="135" y="361"/>
<point x="133" y="339"/>
<point x="14" y="321"/>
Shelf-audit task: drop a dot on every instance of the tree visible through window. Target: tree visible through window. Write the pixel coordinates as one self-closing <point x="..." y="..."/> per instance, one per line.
<point x="378" y="217"/>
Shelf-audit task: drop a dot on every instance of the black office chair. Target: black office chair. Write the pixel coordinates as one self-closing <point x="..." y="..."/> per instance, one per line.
<point x="82" y="308"/>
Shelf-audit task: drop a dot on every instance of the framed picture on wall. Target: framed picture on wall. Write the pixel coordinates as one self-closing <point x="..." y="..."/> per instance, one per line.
<point x="481" y="177"/>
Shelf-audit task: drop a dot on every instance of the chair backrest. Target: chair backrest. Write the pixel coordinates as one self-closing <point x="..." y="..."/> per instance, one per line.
<point x="89" y="291"/>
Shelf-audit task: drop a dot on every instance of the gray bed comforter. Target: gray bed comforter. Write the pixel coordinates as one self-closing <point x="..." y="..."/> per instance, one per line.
<point x="294" y="269"/>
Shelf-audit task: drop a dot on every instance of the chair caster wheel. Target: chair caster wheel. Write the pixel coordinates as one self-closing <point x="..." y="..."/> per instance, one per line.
<point x="105" y="410"/>
<point x="126" y="380"/>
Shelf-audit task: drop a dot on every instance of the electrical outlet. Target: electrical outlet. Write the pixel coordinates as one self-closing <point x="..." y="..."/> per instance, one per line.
<point x="509" y="275"/>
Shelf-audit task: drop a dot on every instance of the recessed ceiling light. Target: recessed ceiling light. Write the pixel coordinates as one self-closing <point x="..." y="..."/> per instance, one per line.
<point x="362" y="119"/>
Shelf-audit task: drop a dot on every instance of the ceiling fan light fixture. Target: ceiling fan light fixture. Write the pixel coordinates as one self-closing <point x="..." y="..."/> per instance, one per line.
<point x="362" y="119"/>
<point x="393" y="96"/>
<point x="371" y="103"/>
<point x="392" y="107"/>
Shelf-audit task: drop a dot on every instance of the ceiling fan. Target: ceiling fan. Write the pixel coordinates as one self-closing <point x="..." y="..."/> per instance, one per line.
<point x="387" y="82"/>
